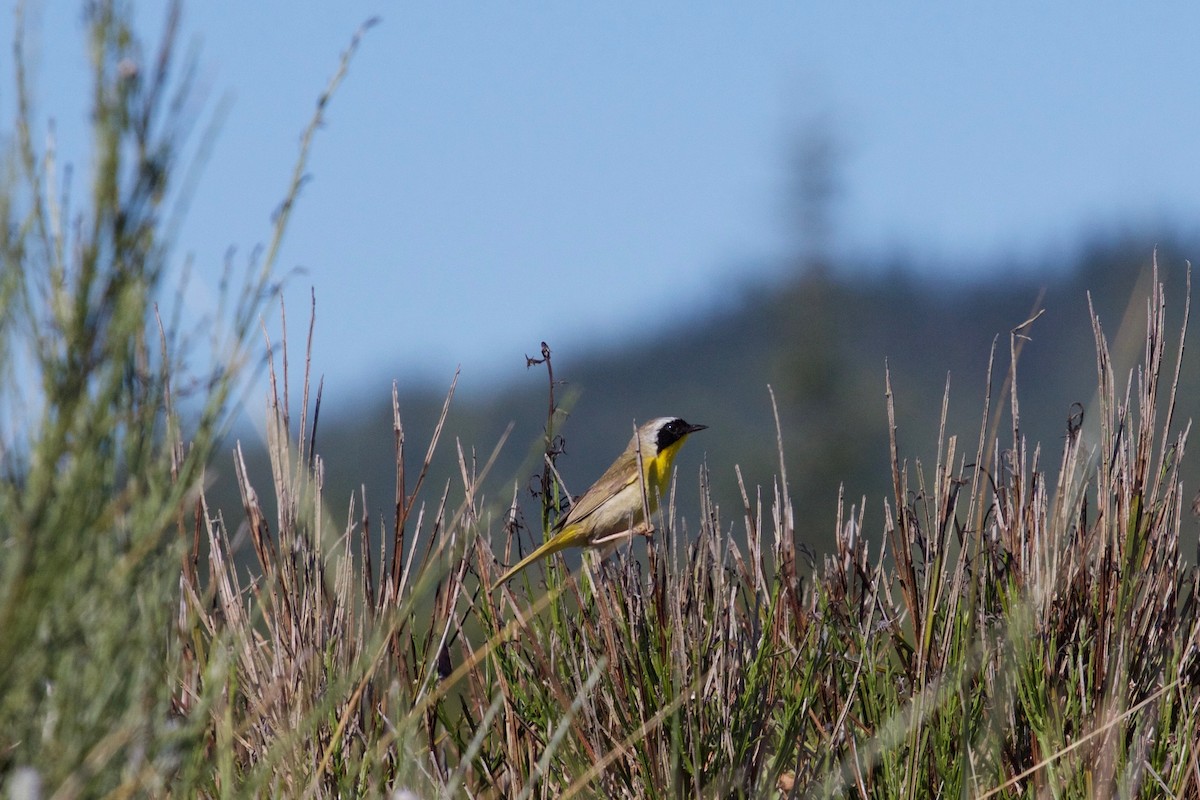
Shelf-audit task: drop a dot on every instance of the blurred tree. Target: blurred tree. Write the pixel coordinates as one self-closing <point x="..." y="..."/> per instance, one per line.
<point x="815" y="187"/>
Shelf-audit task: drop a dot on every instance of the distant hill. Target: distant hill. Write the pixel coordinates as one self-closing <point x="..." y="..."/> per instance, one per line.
<point x="821" y="341"/>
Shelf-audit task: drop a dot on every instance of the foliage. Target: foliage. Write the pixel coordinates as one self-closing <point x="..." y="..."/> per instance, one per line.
<point x="1017" y="631"/>
<point x="96" y="471"/>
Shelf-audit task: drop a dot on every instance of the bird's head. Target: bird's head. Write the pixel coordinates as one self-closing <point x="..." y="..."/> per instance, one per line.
<point x="659" y="439"/>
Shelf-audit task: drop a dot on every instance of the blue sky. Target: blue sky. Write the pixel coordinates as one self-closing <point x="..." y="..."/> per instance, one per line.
<point x="492" y="175"/>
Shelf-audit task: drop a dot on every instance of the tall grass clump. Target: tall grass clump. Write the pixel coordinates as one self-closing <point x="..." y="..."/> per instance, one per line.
<point x="106" y="427"/>
<point x="1019" y="630"/>
<point x="96" y="470"/>
<point x="1013" y="630"/>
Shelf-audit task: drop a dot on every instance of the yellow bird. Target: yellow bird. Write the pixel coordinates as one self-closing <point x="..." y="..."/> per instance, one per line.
<point x="612" y="508"/>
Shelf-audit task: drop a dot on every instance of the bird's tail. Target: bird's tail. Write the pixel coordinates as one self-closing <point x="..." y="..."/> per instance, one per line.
<point x="559" y="541"/>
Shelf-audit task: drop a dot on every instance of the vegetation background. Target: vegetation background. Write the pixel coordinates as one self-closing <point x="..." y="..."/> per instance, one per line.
<point x="821" y="340"/>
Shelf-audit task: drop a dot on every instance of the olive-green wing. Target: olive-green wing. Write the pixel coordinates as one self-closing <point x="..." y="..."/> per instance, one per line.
<point x="621" y="475"/>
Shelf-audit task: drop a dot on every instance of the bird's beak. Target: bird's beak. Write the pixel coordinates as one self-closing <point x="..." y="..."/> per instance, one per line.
<point x="694" y="428"/>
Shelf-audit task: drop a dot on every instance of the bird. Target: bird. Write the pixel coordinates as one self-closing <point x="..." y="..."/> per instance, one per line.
<point x="613" y="508"/>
